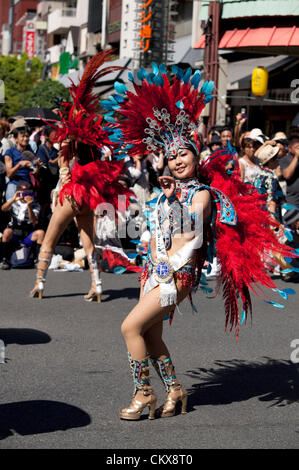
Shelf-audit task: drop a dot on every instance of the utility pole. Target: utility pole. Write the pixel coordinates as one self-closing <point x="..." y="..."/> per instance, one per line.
<point x="105" y="20"/>
<point x="211" y="54"/>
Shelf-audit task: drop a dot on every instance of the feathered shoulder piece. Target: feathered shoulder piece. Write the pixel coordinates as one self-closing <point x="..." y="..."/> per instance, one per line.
<point x="158" y="113"/>
<point x="80" y="120"/>
<point x="246" y="244"/>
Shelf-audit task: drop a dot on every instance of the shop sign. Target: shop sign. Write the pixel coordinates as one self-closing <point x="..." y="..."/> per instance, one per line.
<point x="30" y="39"/>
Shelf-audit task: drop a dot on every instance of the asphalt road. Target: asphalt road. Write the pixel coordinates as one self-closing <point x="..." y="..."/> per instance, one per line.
<point x="66" y="376"/>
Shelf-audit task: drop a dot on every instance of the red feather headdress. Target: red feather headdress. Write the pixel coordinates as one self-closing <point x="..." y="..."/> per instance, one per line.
<point x="80" y="121"/>
<point x="159" y="115"/>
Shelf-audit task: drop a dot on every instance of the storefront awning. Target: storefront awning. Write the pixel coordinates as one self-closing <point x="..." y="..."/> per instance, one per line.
<point x="256" y="37"/>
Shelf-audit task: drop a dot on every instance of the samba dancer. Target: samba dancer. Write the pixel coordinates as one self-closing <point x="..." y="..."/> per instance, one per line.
<point x="164" y="115"/>
<point x="86" y="183"/>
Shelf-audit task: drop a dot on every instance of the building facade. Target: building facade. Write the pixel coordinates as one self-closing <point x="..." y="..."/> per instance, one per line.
<point x="250" y="34"/>
<point x="4" y="26"/>
<point x="22" y="35"/>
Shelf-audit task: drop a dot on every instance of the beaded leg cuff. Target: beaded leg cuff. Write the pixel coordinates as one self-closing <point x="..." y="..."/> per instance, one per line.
<point x="140" y="373"/>
<point x="166" y="372"/>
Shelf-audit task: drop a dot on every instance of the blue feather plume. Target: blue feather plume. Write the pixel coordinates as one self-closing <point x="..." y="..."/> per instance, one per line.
<point x="120" y="88"/>
<point x="195" y="79"/>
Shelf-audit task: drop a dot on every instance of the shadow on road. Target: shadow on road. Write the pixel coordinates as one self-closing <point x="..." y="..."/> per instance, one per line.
<point x="129" y="293"/>
<point x="58" y="296"/>
<point x="273" y="381"/>
<point x="36" y="417"/>
<point x="23" y="336"/>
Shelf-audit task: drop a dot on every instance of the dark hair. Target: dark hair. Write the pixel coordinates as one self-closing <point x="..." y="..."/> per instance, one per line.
<point x="4" y="125"/>
<point x="17" y="131"/>
<point x="48" y="131"/>
<point x="226" y="128"/>
<point x="247" y="141"/>
<point x="293" y="138"/>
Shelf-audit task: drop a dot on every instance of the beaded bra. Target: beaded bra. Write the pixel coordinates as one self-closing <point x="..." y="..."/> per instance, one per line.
<point x="178" y="219"/>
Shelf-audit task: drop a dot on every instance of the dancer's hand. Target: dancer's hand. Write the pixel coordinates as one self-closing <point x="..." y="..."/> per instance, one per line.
<point x="167" y="184"/>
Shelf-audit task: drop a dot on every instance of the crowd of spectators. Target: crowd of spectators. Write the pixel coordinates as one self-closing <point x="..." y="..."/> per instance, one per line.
<point x="29" y="173"/>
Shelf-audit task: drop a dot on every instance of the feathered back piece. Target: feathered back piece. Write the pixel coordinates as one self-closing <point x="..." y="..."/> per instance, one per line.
<point x="160" y="114"/>
<point x="80" y="121"/>
<point x="82" y="94"/>
<point x="247" y="249"/>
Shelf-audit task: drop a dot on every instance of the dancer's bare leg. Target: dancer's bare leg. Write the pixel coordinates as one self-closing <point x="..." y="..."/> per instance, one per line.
<point x="61" y="217"/>
<point x="154" y="342"/>
<point x="85" y="222"/>
<point x="142" y="329"/>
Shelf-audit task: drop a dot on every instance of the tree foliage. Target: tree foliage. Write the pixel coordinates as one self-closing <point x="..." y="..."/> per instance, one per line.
<point x="44" y="93"/>
<point x="18" y="76"/>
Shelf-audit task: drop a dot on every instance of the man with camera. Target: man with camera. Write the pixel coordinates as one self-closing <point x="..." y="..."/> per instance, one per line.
<point x="22" y="229"/>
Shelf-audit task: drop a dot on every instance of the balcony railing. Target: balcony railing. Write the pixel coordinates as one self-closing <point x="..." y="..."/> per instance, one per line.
<point x="60" y="20"/>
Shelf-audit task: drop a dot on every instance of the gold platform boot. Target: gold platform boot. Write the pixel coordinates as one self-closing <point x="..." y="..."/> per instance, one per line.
<point x="175" y="391"/>
<point x="143" y="393"/>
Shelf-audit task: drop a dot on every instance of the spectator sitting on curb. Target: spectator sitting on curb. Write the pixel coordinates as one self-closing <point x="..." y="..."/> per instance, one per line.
<point x="22" y="229"/>
<point x="17" y="168"/>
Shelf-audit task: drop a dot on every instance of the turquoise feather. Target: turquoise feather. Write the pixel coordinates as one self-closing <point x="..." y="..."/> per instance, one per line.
<point x="187" y="76"/>
<point x="120" y="88"/>
<point x="155" y="68"/>
<point x="179" y="104"/>
<point x="162" y="68"/>
<point x="275" y="304"/>
<point x="119" y="270"/>
<point x="142" y="74"/>
<point x="196" y="79"/>
<point x="208" y="99"/>
<point x="288" y="235"/>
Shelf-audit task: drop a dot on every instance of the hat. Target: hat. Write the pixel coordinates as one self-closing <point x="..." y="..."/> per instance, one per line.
<point x="267" y="153"/>
<point x="280" y="136"/>
<point x="24" y="185"/>
<point x="214" y="141"/>
<point x="14" y="118"/>
<point x="291" y="216"/>
<point x="257" y="134"/>
<point x="19" y="124"/>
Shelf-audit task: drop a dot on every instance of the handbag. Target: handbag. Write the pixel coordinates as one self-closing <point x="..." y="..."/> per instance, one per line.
<point x="23" y="258"/>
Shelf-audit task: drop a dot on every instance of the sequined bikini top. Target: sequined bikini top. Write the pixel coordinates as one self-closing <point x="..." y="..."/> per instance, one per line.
<point x="178" y="219"/>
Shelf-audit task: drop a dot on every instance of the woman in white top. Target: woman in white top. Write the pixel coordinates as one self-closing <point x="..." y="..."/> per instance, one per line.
<point x="249" y="164"/>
